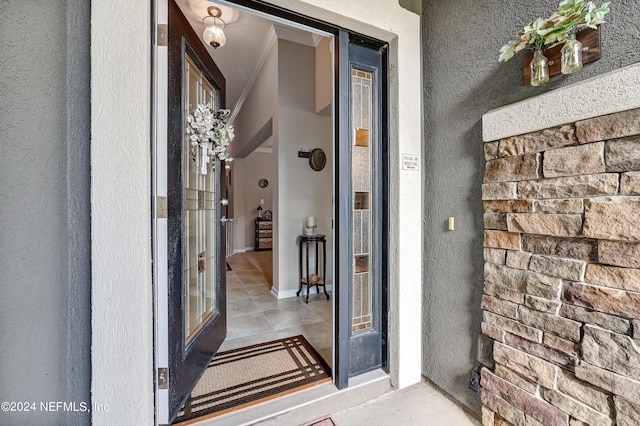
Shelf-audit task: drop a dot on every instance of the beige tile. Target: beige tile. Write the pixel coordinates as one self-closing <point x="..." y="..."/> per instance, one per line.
<point x="290" y="316"/>
<point x="233" y="282"/>
<point x="318" y="334"/>
<point x="246" y="325"/>
<point x="317" y="297"/>
<point x="269" y="301"/>
<point x="241" y="306"/>
<point x="326" y="354"/>
<point x="242" y="342"/>
<point x="252" y="278"/>
<point x="255" y="315"/>
<point x="258" y="290"/>
<point x="237" y="293"/>
<point x="323" y="309"/>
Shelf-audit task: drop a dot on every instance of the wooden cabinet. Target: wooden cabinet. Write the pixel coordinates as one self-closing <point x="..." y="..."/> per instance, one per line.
<point x="264" y="234"/>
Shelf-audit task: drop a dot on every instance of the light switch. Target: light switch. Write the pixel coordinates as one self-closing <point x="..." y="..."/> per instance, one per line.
<point x="262" y="201"/>
<point x="451" y="223"/>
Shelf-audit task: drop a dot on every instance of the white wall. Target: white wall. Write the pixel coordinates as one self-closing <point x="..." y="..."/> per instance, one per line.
<point x="302" y="192"/>
<point x="121" y="284"/>
<point x="260" y="105"/>
<point x="324" y="76"/>
<point x="256" y="166"/>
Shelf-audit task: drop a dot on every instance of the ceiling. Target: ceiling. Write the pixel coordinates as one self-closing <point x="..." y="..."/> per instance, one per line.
<point x="248" y="38"/>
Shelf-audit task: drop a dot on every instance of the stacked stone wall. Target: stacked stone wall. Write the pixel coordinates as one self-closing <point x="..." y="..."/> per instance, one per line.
<point x="561" y="293"/>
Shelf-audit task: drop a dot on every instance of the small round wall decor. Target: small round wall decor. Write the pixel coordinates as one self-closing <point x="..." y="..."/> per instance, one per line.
<point x="263" y="183"/>
<point x="317" y="159"/>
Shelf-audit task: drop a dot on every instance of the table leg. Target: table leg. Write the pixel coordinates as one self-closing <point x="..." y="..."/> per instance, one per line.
<point x="299" y="269"/>
<point x="324" y="269"/>
<point x="317" y="272"/>
<point x="307" y="300"/>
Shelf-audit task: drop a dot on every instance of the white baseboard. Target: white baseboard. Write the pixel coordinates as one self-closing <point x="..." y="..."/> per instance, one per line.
<point x="236" y="251"/>
<point x="285" y="294"/>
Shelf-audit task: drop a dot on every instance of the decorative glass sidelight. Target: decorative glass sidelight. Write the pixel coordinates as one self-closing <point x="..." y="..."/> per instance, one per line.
<point x="199" y="261"/>
<point x="361" y="177"/>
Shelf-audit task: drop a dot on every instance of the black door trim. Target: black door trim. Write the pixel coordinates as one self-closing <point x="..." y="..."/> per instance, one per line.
<point x="188" y="363"/>
<point x="343" y="36"/>
<point x="343" y="212"/>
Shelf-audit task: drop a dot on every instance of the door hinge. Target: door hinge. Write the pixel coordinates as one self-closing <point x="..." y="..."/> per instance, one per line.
<point x="161" y="207"/>
<point x="163" y="378"/>
<point x="162" y="34"/>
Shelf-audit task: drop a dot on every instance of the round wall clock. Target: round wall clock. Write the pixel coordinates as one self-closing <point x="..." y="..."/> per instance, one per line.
<point x="263" y="183"/>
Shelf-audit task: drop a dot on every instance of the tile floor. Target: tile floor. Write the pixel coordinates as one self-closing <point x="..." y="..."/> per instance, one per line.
<point x="255" y="315"/>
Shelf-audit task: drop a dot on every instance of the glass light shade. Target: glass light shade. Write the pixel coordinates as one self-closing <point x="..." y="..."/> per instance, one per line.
<point x="214" y="36"/>
<point x="539" y="66"/>
<point x="571" y="55"/>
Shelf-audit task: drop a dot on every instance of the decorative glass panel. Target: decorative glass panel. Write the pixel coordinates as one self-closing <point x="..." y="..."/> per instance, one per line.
<point x="199" y="218"/>
<point x="362" y="105"/>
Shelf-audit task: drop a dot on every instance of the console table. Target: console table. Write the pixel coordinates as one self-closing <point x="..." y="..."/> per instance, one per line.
<point x="306" y="276"/>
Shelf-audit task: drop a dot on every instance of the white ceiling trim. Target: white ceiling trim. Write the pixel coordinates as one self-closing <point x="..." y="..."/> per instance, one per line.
<point x="297" y="36"/>
<point x="264" y="150"/>
<point x="316" y="39"/>
<point x="268" y="44"/>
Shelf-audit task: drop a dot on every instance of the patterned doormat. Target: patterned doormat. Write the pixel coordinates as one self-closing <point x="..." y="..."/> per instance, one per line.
<point x="242" y="377"/>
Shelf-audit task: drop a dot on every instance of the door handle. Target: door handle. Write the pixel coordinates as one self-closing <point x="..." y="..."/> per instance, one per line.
<point x="224" y="220"/>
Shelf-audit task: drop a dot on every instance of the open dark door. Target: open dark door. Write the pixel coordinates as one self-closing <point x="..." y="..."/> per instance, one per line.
<point x="195" y="219"/>
<point x="361" y="203"/>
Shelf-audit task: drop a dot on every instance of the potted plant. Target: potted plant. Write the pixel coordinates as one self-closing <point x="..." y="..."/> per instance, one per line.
<point x="561" y="27"/>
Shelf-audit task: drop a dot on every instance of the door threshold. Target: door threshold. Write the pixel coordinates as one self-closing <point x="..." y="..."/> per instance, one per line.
<point x="304" y="406"/>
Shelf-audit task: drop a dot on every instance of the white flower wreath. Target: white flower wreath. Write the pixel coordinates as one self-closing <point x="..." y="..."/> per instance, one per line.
<point x="210" y="132"/>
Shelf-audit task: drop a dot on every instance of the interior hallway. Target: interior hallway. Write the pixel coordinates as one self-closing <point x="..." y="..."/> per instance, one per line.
<point x="254" y="315"/>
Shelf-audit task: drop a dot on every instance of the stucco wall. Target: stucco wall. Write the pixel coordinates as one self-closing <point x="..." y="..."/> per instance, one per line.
<point x="122" y="287"/>
<point x="44" y="205"/>
<point x="462" y="80"/>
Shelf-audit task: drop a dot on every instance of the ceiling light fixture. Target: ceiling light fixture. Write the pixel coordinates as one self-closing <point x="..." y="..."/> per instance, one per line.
<point x="213" y="33"/>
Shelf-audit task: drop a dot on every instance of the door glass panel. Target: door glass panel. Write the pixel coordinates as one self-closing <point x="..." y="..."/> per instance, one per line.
<point x="361" y="105"/>
<point x="200" y="213"/>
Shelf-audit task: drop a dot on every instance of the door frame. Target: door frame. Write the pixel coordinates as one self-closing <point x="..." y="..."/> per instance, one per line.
<point x="342" y="231"/>
<point x="340" y="237"/>
<point x="188" y="360"/>
<point x="125" y="43"/>
<point x="348" y="343"/>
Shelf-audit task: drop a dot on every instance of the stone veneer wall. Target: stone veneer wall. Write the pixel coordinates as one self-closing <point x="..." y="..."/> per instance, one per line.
<point x="562" y="275"/>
